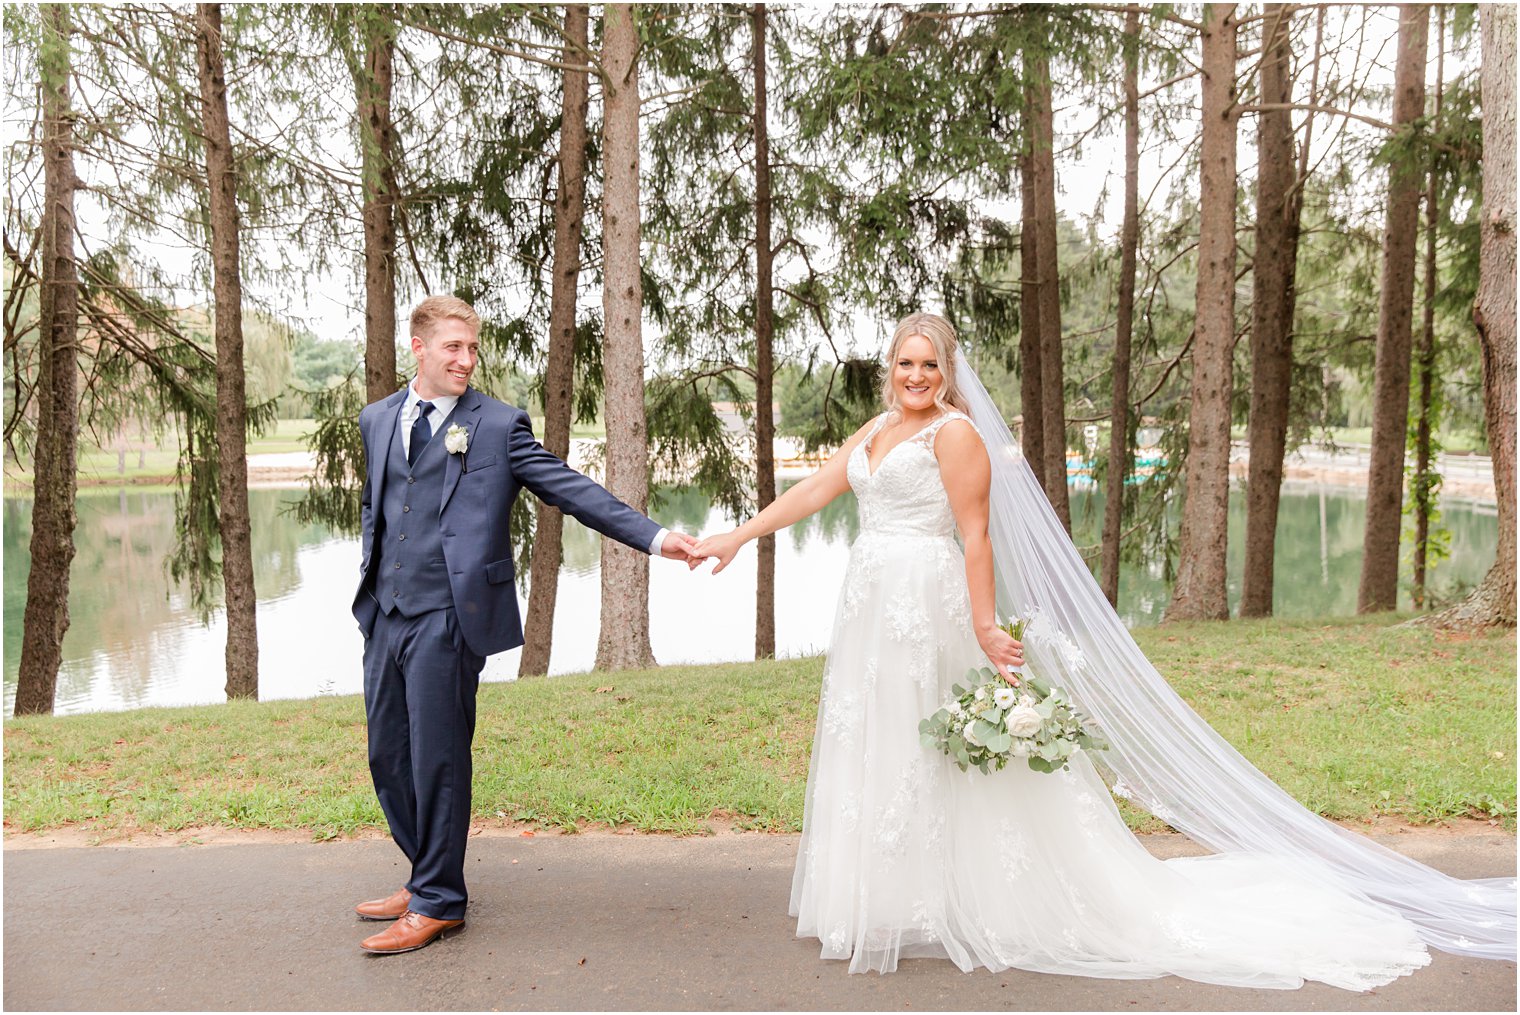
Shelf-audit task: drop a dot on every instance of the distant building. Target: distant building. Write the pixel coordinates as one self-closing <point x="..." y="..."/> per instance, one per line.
<point x="733" y="419"/>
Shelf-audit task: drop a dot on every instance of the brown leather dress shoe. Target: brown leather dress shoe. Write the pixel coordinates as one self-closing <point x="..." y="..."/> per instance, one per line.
<point x="392" y="908"/>
<point x="407" y="934"/>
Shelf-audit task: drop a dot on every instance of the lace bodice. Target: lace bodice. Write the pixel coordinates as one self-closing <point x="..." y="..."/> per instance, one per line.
<point x="905" y="495"/>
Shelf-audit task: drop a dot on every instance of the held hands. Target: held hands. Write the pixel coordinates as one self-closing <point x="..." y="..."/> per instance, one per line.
<point x="1003" y="651"/>
<point x="722" y="546"/>
<point x="682" y="547"/>
<point x="678" y="546"/>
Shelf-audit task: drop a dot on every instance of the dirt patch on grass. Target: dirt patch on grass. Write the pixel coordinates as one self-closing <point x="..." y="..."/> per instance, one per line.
<point x="78" y="835"/>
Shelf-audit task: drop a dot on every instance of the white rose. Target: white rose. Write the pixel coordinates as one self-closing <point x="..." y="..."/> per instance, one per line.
<point x="1027" y="700"/>
<point x="1024" y="721"/>
<point x="1005" y="697"/>
<point x="457" y="440"/>
<point x="970" y="734"/>
<point x="956" y="710"/>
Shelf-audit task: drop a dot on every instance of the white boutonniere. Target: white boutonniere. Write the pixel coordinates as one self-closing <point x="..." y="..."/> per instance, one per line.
<point x="456" y="441"/>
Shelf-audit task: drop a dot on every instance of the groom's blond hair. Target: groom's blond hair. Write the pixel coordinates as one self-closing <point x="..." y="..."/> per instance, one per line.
<point x="939" y="333"/>
<point x="437" y="308"/>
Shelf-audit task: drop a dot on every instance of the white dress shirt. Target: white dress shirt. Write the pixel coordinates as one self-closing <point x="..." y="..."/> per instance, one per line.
<point x="442" y="406"/>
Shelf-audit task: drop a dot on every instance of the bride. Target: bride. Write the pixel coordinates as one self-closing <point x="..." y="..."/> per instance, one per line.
<point x="903" y="855"/>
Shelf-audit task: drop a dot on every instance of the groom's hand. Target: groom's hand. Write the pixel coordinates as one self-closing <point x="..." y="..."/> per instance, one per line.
<point x="678" y="546"/>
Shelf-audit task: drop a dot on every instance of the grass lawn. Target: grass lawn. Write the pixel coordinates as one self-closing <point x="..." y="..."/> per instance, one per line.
<point x="1355" y="718"/>
<point x="106" y="466"/>
<point x="595" y="430"/>
<point x="155" y="465"/>
<point x="1454" y="441"/>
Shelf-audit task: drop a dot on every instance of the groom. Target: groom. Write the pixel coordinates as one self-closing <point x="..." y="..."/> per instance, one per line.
<point x="444" y="464"/>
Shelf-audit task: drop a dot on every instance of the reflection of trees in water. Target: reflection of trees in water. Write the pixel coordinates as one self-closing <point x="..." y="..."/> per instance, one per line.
<point x="127" y="624"/>
<point x="581" y="548"/>
<point x="117" y="587"/>
<point x="18" y="561"/>
<point x="1474" y="529"/>
<point x="689" y="509"/>
<point x="121" y="593"/>
<point x="121" y="603"/>
<point x="685" y="508"/>
<point x="277" y="540"/>
<point x="1318" y="556"/>
<point x="839" y="521"/>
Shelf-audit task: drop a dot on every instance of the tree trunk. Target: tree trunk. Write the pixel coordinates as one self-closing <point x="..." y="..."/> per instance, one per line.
<point x="1492" y="603"/>
<point x="378" y="143"/>
<point x="54" y="476"/>
<point x="231" y="404"/>
<point x="559" y="373"/>
<point x="624" y="641"/>
<point x="1119" y="443"/>
<point x="765" y="421"/>
<point x="1390" y="401"/>
<point x="1052" y="376"/>
<point x="1032" y="432"/>
<point x="1425" y="483"/>
<point x="1278" y="204"/>
<point x="1201" y="592"/>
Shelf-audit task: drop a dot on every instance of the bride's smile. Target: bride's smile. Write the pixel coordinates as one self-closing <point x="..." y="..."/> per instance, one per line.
<point x="916" y="376"/>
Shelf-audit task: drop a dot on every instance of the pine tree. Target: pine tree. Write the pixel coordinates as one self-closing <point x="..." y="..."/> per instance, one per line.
<point x="1390" y="414"/>
<point x="1492" y="603"/>
<point x="231" y="401"/>
<point x="1121" y="435"/>
<point x="1425" y="483"/>
<point x="624" y="639"/>
<point x="54" y="479"/>
<point x="373" y="84"/>
<point x="1200" y="592"/>
<point x="1279" y="204"/>
<point x="765" y="364"/>
<point x="559" y="369"/>
<point x="1048" y="281"/>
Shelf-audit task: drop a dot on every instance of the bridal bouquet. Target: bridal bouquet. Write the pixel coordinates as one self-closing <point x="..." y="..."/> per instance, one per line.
<point x="990" y="722"/>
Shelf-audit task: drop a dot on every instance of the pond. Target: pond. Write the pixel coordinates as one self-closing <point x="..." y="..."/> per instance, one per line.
<point x="135" y="641"/>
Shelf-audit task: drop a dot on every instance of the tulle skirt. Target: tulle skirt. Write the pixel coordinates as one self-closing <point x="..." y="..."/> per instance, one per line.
<point x="905" y="856"/>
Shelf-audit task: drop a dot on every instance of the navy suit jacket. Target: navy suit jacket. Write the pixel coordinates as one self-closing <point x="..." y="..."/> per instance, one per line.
<point x="479" y="487"/>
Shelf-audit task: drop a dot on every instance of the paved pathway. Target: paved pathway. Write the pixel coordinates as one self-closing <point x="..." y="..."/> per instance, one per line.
<point x="556" y="922"/>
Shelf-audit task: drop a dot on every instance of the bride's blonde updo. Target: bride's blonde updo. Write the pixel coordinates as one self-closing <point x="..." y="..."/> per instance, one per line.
<point x="939" y="334"/>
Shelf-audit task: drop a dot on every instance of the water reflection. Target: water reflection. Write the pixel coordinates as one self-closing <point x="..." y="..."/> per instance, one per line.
<point x="134" y="640"/>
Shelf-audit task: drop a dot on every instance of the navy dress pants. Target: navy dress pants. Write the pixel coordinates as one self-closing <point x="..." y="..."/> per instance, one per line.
<point x="419" y="697"/>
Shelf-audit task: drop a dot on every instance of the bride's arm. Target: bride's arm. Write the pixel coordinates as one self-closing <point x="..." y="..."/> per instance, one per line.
<point x="967" y="474"/>
<point x="805" y="498"/>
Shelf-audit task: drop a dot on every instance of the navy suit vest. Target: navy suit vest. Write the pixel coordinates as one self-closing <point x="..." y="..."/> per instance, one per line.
<point x="411" y="574"/>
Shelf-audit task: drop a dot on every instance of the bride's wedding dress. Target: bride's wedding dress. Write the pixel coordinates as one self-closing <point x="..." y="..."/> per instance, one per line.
<point x="904" y="855"/>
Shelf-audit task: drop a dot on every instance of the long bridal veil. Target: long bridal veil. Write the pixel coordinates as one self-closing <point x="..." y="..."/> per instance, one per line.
<point x="1164" y="757"/>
